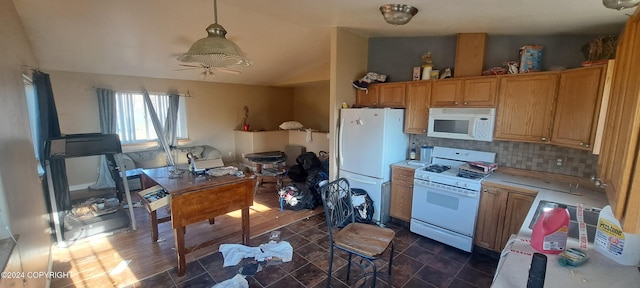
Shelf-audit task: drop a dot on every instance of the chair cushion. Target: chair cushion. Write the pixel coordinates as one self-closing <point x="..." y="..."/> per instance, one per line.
<point x="366" y="239"/>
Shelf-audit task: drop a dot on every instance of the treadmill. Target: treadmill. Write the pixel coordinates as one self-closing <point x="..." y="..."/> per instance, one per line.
<point x="96" y="218"/>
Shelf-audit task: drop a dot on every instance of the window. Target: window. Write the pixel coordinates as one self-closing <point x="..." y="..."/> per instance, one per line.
<point x="133" y="123"/>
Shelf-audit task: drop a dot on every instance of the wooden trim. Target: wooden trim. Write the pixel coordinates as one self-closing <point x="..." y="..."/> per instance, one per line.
<point x="584" y="182"/>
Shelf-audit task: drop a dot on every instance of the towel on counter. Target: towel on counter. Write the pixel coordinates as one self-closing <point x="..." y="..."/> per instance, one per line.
<point x="233" y="253"/>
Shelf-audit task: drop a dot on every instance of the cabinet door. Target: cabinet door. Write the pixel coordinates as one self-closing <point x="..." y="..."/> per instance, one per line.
<point x="401" y="200"/>
<point x="367" y="98"/>
<point x="490" y="217"/>
<point x="480" y="92"/>
<point x="391" y="95"/>
<point x="618" y="161"/>
<point x="401" y="193"/>
<point x="518" y="206"/>
<point x="446" y="93"/>
<point x="417" y="111"/>
<point x="577" y="106"/>
<point x="525" y="107"/>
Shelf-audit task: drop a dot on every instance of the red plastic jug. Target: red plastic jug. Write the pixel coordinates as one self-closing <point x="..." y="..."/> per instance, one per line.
<point x="551" y="231"/>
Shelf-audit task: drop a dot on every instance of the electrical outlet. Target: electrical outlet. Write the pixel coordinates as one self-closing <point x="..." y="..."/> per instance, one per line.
<point x="559" y="162"/>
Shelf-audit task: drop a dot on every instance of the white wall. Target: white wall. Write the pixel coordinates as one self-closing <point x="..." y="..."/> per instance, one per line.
<point x="21" y="195"/>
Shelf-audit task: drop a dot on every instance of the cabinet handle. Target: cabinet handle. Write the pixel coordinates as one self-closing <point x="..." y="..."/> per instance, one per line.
<point x="465" y="103"/>
<point x="455" y="102"/>
<point x="544" y="139"/>
<point x="410" y="186"/>
<point x="581" y="143"/>
<point x="485" y="190"/>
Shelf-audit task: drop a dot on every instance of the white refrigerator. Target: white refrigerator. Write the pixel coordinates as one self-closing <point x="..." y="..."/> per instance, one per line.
<point x="370" y="140"/>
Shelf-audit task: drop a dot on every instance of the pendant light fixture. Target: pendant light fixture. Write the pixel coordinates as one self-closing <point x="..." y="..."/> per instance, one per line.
<point x="620" y="4"/>
<point x="398" y="14"/>
<point x="215" y="51"/>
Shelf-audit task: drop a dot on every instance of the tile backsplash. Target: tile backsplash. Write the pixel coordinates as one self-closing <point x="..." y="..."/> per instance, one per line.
<point x="529" y="156"/>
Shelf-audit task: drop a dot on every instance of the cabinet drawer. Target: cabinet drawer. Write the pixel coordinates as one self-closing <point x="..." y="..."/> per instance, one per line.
<point x="402" y="174"/>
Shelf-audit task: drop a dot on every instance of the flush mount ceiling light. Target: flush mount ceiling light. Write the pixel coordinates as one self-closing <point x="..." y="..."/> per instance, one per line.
<point x="215" y="51"/>
<point x="620" y="4"/>
<point x="398" y="14"/>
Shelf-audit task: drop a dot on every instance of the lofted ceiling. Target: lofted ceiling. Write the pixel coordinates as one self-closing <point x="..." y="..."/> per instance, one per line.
<point x="284" y="38"/>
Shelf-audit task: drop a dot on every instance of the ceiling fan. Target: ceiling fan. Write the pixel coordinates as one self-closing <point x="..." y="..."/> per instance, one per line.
<point x="215" y="52"/>
<point x="208" y="72"/>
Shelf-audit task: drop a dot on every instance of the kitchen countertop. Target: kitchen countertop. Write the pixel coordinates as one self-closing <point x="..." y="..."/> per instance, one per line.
<point x="598" y="271"/>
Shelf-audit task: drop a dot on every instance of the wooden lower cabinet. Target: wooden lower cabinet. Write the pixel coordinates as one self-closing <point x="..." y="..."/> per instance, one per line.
<point x="401" y="192"/>
<point x="501" y="213"/>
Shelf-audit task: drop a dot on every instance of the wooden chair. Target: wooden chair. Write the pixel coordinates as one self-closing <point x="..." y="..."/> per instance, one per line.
<point x="365" y="240"/>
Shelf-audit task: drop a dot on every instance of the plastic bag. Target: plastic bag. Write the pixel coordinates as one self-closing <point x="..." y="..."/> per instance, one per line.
<point x="362" y="205"/>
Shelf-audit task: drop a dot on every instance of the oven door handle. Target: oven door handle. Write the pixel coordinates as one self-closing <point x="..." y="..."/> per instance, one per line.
<point x="469" y="194"/>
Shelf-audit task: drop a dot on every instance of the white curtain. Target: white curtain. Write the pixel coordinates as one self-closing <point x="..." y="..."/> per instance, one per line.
<point x="158" y="127"/>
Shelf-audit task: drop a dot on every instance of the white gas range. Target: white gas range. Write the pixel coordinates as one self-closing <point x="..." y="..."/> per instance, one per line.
<point x="445" y="202"/>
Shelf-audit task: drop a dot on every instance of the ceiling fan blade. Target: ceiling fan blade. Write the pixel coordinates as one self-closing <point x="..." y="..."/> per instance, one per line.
<point x="192" y="65"/>
<point x="190" y="68"/>
<point x="227" y="70"/>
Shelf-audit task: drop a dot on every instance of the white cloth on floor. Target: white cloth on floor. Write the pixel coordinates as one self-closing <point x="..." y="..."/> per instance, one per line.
<point x="237" y="281"/>
<point x="233" y="253"/>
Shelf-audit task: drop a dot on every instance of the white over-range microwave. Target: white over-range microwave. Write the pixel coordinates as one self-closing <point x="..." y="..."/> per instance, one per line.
<point x="462" y="123"/>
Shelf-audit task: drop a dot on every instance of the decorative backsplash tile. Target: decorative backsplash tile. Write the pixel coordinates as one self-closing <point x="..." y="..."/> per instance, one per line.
<point x="529" y="156"/>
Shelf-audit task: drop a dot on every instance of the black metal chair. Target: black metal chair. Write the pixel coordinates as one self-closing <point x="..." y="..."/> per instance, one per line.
<point x="365" y="240"/>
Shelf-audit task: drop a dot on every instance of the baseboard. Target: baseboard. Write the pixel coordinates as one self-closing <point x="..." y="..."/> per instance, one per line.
<point x="83" y="186"/>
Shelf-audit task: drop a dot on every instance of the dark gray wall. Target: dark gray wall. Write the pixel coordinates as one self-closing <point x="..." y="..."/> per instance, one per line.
<point x="396" y="56"/>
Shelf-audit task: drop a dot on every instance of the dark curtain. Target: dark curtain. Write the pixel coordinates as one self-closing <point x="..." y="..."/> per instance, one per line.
<point x="49" y="127"/>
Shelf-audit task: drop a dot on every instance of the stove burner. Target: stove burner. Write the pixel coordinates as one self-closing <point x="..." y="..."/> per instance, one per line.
<point x="470" y="175"/>
<point x="437" y="168"/>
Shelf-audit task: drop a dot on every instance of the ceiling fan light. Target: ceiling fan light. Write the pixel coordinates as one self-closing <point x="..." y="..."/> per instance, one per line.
<point x="398" y="14"/>
<point x="215" y="50"/>
<point x="620" y="4"/>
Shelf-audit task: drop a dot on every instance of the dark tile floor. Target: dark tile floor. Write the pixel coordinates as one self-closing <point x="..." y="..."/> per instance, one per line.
<point x="418" y="262"/>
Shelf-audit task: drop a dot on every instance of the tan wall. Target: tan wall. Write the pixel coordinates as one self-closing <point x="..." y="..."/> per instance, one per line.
<point x="21" y="195"/>
<point x="214" y="110"/>
<point x="349" y="54"/>
<point x="311" y="105"/>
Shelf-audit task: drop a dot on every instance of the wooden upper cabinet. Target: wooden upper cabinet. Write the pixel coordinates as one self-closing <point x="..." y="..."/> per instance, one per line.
<point x="367" y="98"/>
<point x="525" y="107"/>
<point x="577" y="107"/>
<point x="466" y="92"/>
<point x="619" y="162"/>
<point x="480" y="92"/>
<point x="446" y="92"/>
<point x="417" y="111"/>
<point x="391" y="95"/>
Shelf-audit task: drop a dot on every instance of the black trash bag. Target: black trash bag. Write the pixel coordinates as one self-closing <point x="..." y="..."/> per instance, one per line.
<point x="313" y="182"/>
<point x="362" y="205"/>
<point x="308" y="161"/>
<point x="297" y="174"/>
<point x="297" y="196"/>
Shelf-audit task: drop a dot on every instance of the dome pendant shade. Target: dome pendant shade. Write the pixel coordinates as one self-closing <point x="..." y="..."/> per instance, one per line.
<point x="620" y="4"/>
<point x="398" y="14"/>
<point x="215" y="50"/>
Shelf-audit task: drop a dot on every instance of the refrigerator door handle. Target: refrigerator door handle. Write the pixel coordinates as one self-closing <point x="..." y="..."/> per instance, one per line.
<point x="361" y="180"/>
<point x="340" y="149"/>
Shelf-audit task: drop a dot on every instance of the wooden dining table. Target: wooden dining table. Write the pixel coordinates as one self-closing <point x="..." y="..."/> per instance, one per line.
<point x="196" y="198"/>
